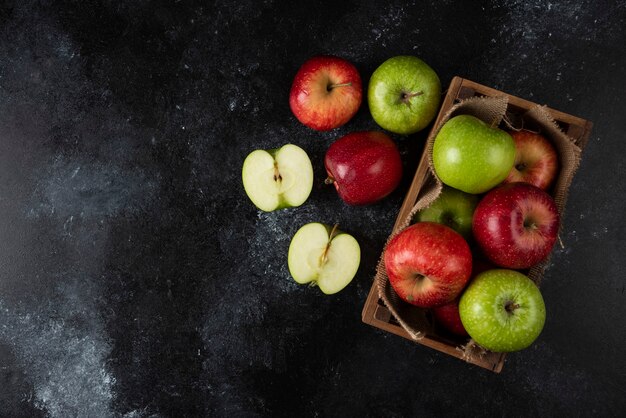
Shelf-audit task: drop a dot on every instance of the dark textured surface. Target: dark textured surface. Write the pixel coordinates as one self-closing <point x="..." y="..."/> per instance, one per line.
<point x="136" y="278"/>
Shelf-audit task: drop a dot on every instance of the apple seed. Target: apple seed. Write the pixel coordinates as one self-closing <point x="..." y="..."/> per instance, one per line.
<point x="277" y="176"/>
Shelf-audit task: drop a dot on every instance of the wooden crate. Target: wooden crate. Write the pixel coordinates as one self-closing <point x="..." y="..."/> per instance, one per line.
<point x="374" y="312"/>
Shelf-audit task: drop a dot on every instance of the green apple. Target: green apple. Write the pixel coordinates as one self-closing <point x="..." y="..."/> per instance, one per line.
<point x="502" y="310"/>
<point x="472" y="156"/>
<point x="323" y="256"/>
<point x="404" y="94"/>
<point x="278" y="178"/>
<point x="452" y="208"/>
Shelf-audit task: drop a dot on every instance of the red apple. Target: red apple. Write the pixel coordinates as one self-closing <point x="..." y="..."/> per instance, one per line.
<point x="326" y="92"/>
<point x="536" y="160"/>
<point x="428" y="264"/>
<point x="364" y="167"/>
<point x="448" y="316"/>
<point x="516" y="225"/>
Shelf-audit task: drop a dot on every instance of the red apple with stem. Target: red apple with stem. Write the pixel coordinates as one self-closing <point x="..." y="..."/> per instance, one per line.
<point x="326" y="92"/>
<point x="536" y="160"/>
<point x="364" y="167"/>
<point x="516" y="225"/>
<point x="428" y="264"/>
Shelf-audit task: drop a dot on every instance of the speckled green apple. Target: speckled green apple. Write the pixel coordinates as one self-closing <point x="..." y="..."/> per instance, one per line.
<point x="404" y="94"/>
<point x="471" y="155"/>
<point x="324" y="256"/>
<point x="502" y="310"/>
<point x="452" y="208"/>
<point x="277" y="178"/>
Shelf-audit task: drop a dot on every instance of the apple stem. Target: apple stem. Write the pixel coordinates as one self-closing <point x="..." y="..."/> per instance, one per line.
<point x="529" y="223"/>
<point x="494" y="123"/>
<point x="332" y="86"/>
<point x="510" y="307"/>
<point x="329" y="180"/>
<point x="333" y="232"/>
<point x="405" y="97"/>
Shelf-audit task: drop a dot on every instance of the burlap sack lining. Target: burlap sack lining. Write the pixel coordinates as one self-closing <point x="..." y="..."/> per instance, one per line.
<point x="492" y="110"/>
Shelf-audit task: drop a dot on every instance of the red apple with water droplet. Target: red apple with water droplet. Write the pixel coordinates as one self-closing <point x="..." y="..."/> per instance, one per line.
<point x="326" y="92"/>
<point x="428" y="264"/>
<point x="364" y="167"/>
<point x="516" y="225"/>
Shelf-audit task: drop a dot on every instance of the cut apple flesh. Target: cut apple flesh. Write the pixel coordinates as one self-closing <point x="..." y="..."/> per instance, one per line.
<point x="278" y="179"/>
<point x="317" y="255"/>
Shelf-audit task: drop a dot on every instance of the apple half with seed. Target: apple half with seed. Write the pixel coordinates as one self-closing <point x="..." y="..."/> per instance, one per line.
<point x="278" y="178"/>
<point x="324" y="256"/>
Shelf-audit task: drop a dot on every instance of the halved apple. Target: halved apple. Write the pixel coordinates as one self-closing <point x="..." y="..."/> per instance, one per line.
<point x="278" y="178"/>
<point x="324" y="256"/>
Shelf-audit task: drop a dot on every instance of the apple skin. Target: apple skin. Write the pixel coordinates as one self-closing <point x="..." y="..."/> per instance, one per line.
<point x="502" y="310"/>
<point x="428" y="264"/>
<point x="363" y="166"/>
<point x="516" y="225"/>
<point x="452" y="208"/>
<point x="326" y="92"/>
<point x="472" y="156"/>
<point x="448" y="316"/>
<point x="536" y="160"/>
<point x="404" y="95"/>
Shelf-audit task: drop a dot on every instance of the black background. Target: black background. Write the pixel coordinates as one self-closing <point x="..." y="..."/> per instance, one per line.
<point x="137" y="279"/>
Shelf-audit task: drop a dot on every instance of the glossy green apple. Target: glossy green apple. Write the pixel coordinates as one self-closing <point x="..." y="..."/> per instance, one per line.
<point x="452" y="208"/>
<point x="278" y="178"/>
<point x="502" y="310"/>
<point x="472" y="156"/>
<point x="404" y="94"/>
<point x="323" y="256"/>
